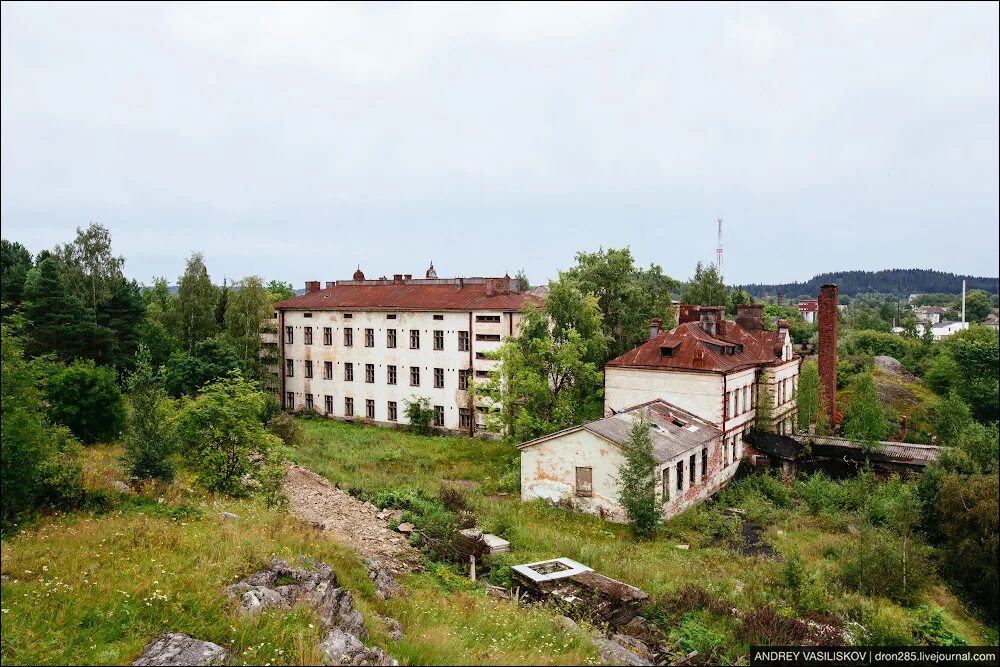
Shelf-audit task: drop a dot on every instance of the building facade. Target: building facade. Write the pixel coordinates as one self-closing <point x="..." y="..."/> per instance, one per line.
<point x="360" y="349"/>
<point x="714" y="368"/>
<point x="581" y="465"/>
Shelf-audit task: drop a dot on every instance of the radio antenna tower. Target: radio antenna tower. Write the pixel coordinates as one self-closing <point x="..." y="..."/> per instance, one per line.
<point x="718" y="251"/>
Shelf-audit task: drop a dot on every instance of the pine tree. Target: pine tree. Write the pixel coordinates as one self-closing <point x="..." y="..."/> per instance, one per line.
<point x="637" y="481"/>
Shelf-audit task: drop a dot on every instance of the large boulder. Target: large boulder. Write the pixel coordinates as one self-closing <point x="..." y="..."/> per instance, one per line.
<point x="175" y="648"/>
<point x="342" y="648"/>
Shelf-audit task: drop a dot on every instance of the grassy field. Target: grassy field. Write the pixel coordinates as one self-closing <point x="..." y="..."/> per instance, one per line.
<point x="94" y="587"/>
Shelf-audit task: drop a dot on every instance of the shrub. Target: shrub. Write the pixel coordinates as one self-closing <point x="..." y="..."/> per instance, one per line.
<point x="225" y="442"/>
<point x="284" y="426"/>
<point x="419" y="413"/>
<point x="149" y="438"/>
<point x="876" y="343"/>
<point x="38" y="463"/>
<point x="85" y="398"/>
<point x="865" y="420"/>
<point x="930" y="629"/>
<point x="765" y="627"/>
<point x="211" y="359"/>
<point x="637" y="481"/>
<point x="691" y="635"/>
<point x="885" y="564"/>
<point x="501" y="569"/>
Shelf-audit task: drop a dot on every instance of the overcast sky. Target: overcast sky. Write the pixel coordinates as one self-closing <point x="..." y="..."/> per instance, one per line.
<point x="297" y="141"/>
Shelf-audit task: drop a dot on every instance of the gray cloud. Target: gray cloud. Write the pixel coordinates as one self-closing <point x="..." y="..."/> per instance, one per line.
<point x="297" y="140"/>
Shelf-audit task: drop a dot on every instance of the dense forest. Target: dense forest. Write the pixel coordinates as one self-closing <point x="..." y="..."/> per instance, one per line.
<point x="889" y="281"/>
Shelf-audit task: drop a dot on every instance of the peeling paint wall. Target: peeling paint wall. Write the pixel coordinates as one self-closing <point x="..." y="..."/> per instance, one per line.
<point x="698" y="393"/>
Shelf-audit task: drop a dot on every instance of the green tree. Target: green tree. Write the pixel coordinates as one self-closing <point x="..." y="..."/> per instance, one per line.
<point x="85" y="398"/>
<point x="15" y="262"/>
<point x="967" y="363"/>
<point x="627" y="297"/>
<point x="185" y="374"/>
<point x="280" y="290"/>
<point x="705" y="288"/>
<point x="978" y="305"/>
<point x="224" y="441"/>
<point x="543" y="382"/>
<point x="247" y="312"/>
<point x="149" y="438"/>
<point x="90" y="267"/>
<point x="637" y="482"/>
<point x="121" y="312"/>
<point x="864" y="421"/>
<point x="197" y="298"/>
<point x="738" y="297"/>
<point x="60" y="323"/>
<point x="951" y="417"/>
<point x="807" y="398"/>
<point x="38" y="464"/>
<point x="419" y="413"/>
<point x="522" y="281"/>
<point x="160" y="330"/>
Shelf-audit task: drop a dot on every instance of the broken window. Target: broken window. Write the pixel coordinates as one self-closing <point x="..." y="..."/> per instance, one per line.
<point x="704" y="463"/>
<point x="488" y="318"/>
<point x="680" y="475"/>
<point x="348" y="337"/>
<point x="691" y="468"/>
<point x="369" y="338"/>
<point x="488" y="337"/>
<point x="665" y="492"/>
<point x="584" y="482"/>
<point x="290" y="400"/>
<point x="390" y="338"/>
<point x="327" y="335"/>
<point x="289" y="368"/>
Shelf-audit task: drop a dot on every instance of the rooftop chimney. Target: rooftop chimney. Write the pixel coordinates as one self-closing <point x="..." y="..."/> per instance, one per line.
<point x="397" y="278"/>
<point x="408" y="276"/>
<point x="331" y="283"/>
<point x="709" y="319"/>
<point x="312" y="286"/>
<point x="828" y="297"/>
<point x="750" y="316"/>
<point x="654" y="327"/>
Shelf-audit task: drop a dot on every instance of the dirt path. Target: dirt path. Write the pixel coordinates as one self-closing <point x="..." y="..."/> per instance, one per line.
<point x="350" y="521"/>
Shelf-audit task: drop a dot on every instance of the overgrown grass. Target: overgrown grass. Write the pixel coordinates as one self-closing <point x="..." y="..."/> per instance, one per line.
<point x="95" y="587"/>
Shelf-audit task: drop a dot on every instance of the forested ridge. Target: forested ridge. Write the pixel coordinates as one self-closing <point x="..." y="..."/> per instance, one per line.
<point x="890" y="281"/>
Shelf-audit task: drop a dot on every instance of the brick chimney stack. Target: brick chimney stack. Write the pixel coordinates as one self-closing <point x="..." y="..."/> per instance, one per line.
<point x="654" y="327"/>
<point x="312" y="286"/>
<point x="750" y="316"/>
<point x="828" y="298"/>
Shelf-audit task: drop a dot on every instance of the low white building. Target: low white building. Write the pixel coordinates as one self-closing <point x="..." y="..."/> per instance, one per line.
<point x="581" y="465"/>
<point x="360" y="349"/>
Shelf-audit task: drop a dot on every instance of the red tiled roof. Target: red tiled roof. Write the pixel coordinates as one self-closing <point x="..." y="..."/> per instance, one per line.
<point x="408" y="297"/>
<point x="694" y="349"/>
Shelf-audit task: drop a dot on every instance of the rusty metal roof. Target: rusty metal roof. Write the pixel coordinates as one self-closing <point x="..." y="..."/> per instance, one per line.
<point x="691" y="348"/>
<point x="403" y="296"/>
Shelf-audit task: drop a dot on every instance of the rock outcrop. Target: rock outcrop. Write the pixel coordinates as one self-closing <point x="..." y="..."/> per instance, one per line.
<point x="175" y="648"/>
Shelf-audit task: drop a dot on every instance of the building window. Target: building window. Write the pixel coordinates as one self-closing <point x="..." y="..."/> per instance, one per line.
<point x="392" y="411"/>
<point x="414" y="339"/>
<point x="369" y="372"/>
<point x="309" y="368"/>
<point x="488" y="318"/>
<point x="438" y="339"/>
<point x="328" y="404"/>
<point x="584" y="482"/>
<point x="482" y="374"/>
<point x="439" y="317"/>
<point x="370" y="408"/>
<point x="463" y="378"/>
<point x="307" y="314"/>
<point x="390" y="338"/>
<point x="680" y="475"/>
<point x="348" y="337"/>
<point x="692" y="462"/>
<point x="439" y="378"/>
<point x="290" y="400"/>
<point x="463" y="341"/>
<point x="481" y="355"/>
<point x="289" y="335"/>
<point x="746" y="399"/>
<point x="349" y="372"/>
<point x="464" y="418"/>
<point x="308" y="335"/>
<point x="488" y="337"/>
<point x="390" y="375"/>
<point x="348" y="407"/>
<point x="289" y="368"/>
<point x="369" y="338"/>
<point x="309" y="401"/>
<point x="439" y="415"/>
<point x="704" y="463"/>
<point x="665" y="485"/>
<point x="414" y="376"/>
<point x="327" y="335"/>
<point x="390" y="316"/>
<point x="327" y="370"/>
<point x="348" y="316"/>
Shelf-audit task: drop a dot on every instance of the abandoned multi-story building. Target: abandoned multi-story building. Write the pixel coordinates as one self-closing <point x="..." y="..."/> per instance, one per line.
<point x="713" y="370"/>
<point x="360" y="349"/>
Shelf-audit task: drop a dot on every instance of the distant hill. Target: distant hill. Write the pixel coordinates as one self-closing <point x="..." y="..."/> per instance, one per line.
<point x="891" y="281"/>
